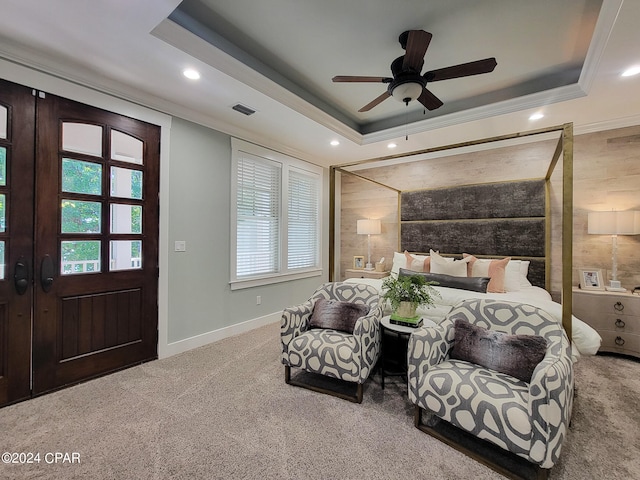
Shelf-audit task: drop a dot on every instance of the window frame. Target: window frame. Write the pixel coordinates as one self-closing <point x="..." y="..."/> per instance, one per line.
<point x="287" y="163"/>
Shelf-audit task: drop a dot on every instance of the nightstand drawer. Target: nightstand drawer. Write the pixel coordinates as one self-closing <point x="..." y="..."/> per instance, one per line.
<point x="622" y="306"/>
<point x="598" y="303"/>
<point x="614" y="323"/>
<point x="620" y="342"/>
<point x="353" y="273"/>
<point x="623" y="323"/>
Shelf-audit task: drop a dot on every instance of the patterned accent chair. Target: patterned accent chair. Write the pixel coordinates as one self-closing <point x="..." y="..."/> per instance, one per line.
<point x="333" y="353"/>
<point x="529" y="420"/>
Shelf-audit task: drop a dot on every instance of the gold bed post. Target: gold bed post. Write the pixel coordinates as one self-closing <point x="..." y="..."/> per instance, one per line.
<point x="332" y="222"/>
<point x="567" y="227"/>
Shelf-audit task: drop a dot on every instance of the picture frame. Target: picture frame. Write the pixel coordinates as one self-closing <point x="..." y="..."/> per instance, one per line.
<point x="591" y="279"/>
<point x="358" y="262"/>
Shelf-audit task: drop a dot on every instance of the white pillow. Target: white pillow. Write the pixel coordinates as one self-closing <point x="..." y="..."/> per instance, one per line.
<point x="448" y="266"/>
<point x="399" y="261"/>
<point x="517" y="271"/>
<point x="512" y="276"/>
<point x="524" y="273"/>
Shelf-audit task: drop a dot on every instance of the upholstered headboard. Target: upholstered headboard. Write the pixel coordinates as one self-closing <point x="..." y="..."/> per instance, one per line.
<point x="485" y="220"/>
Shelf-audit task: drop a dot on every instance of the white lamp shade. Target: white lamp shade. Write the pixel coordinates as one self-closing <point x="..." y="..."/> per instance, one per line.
<point x="614" y="223"/>
<point x="368" y="227"/>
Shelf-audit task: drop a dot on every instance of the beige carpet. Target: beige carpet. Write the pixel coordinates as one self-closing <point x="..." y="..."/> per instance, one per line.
<point x="223" y="411"/>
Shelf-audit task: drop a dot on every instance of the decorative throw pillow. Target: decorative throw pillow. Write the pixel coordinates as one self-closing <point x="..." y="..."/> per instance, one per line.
<point x="417" y="263"/>
<point x="336" y="314"/>
<point x="495" y="269"/>
<point x="457" y="268"/>
<point x="515" y="355"/>
<point x="473" y="284"/>
<point x="399" y="261"/>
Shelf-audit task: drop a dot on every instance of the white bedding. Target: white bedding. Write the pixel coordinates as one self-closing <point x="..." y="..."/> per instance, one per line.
<point x="586" y="340"/>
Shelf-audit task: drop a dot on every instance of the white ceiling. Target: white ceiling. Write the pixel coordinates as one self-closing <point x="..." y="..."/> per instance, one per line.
<point x="563" y="59"/>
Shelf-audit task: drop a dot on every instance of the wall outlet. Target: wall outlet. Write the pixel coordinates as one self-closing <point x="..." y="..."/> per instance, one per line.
<point x="258" y="300"/>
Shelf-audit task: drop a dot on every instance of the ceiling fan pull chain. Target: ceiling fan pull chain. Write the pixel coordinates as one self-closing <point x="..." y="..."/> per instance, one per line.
<point x="406" y="124"/>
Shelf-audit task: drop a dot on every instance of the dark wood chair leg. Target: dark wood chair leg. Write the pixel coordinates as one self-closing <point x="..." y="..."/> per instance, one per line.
<point x="417" y="416"/>
<point x="359" y="393"/>
<point x="287" y="374"/>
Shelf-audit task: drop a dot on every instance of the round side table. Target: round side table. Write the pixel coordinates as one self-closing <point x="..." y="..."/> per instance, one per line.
<point x="394" y="342"/>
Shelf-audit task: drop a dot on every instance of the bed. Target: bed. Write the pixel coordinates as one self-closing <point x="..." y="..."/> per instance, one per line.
<point x="517" y="288"/>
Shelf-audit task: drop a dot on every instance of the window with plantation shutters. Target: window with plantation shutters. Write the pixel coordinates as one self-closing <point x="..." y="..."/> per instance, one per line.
<point x="276" y="211"/>
<point x="302" y="220"/>
<point x="258" y="222"/>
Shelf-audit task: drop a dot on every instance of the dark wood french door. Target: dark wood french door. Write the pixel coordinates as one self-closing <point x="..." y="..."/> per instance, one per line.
<point x="78" y="297"/>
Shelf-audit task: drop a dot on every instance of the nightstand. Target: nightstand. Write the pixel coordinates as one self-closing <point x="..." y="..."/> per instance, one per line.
<point x="353" y="273"/>
<point x="615" y="315"/>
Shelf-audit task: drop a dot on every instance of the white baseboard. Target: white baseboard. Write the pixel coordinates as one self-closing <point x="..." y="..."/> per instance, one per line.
<point x="215" y="335"/>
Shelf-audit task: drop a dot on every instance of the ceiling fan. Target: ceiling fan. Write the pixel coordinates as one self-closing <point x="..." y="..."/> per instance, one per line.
<point x="407" y="84"/>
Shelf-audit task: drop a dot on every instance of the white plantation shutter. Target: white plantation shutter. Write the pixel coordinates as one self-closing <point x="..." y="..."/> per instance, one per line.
<point x="258" y="216"/>
<point x="302" y="219"/>
<point x="276" y="203"/>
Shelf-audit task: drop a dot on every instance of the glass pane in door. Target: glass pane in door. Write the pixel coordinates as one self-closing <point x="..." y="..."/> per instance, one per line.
<point x="126" y="183"/>
<point x="126" y="148"/>
<point x="81" y="177"/>
<point x="3" y="166"/>
<point x="126" y="218"/>
<point x="125" y="254"/>
<point x="79" y="256"/>
<point x="3" y="121"/>
<point x="2" y="262"/>
<point x="3" y="213"/>
<point x="82" y="138"/>
<point x="81" y="217"/>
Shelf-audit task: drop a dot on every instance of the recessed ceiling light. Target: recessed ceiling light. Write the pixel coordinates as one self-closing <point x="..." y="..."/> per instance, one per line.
<point x="536" y="116"/>
<point x="335" y="143"/>
<point x="191" y="74"/>
<point x="631" y="71"/>
<point x="392" y="145"/>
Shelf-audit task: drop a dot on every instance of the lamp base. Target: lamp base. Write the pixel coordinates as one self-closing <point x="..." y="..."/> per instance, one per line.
<point x="615" y="286"/>
<point x="369" y="266"/>
<point x="615" y="289"/>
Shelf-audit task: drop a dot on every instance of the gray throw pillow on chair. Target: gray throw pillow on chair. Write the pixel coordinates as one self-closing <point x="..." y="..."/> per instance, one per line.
<point x="515" y="355"/>
<point x="336" y="314"/>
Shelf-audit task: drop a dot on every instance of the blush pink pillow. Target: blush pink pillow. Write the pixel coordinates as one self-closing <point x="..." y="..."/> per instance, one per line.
<point x="495" y="269"/>
<point x="418" y="264"/>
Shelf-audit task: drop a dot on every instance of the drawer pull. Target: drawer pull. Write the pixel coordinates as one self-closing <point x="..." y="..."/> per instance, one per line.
<point x="619" y="341"/>
<point x="618" y="307"/>
<point x="620" y="323"/>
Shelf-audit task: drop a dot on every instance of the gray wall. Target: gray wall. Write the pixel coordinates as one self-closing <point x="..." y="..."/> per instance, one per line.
<point x="200" y="299"/>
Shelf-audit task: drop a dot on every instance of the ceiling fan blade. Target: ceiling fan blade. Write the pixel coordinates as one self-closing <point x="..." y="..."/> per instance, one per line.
<point x="375" y="102"/>
<point x="417" y="45"/>
<point x="463" y="70"/>
<point x="429" y="100"/>
<point x="350" y="78"/>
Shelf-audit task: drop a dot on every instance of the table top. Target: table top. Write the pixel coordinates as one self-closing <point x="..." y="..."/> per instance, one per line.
<point x="386" y="323"/>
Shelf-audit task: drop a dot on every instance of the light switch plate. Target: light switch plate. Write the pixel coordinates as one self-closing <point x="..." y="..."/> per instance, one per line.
<point x="180" y="246"/>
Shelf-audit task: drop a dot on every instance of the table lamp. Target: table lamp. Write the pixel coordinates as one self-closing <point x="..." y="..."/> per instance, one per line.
<point x="368" y="227"/>
<point x="614" y="223"/>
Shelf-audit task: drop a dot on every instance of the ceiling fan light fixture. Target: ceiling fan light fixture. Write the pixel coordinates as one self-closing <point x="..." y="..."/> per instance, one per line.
<point x="407" y="92"/>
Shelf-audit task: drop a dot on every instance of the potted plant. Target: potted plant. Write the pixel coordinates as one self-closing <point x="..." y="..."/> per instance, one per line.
<point x="407" y="293"/>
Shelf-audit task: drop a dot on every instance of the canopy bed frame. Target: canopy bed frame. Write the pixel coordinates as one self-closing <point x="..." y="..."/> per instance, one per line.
<point x="520" y="229"/>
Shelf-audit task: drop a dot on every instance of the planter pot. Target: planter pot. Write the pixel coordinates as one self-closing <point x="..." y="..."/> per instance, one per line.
<point x="407" y="309"/>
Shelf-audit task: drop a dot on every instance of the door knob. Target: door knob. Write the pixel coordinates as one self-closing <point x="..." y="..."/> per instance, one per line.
<point x="21" y="276"/>
<point x="46" y="273"/>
